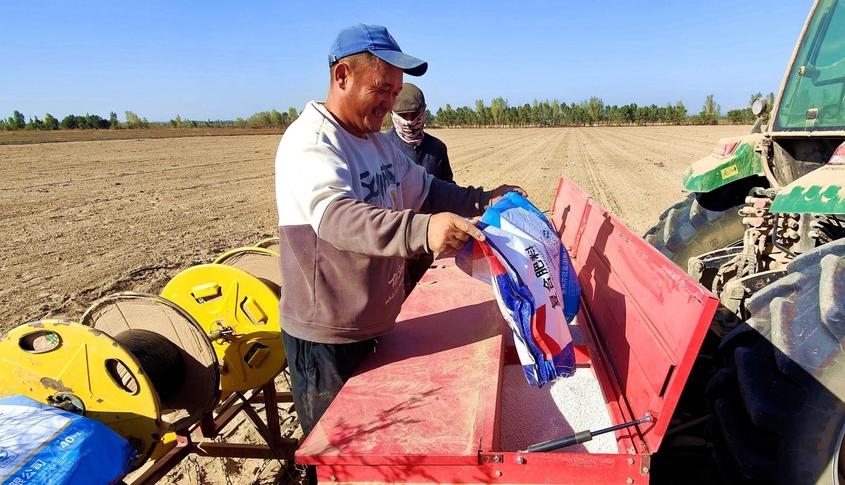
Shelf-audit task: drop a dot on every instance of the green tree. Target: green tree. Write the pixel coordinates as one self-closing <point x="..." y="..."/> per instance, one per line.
<point x="50" y="122"/>
<point x="292" y="114"/>
<point x="429" y="118"/>
<point x="261" y="119"/>
<point x="448" y="116"/>
<point x="709" y="112"/>
<point x="616" y="116"/>
<point x="595" y="108"/>
<point x="16" y="122"/>
<point x="113" y="122"/>
<point x="479" y="112"/>
<point x="679" y="113"/>
<point x="69" y="122"/>
<point x="35" y="124"/>
<point x="736" y="116"/>
<point x="276" y="119"/>
<point x="498" y="107"/>
<point x="132" y="120"/>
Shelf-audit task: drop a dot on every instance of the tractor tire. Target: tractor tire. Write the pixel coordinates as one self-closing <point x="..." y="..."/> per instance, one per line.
<point x="702" y="222"/>
<point x="777" y="402"/>
<point x="688" y="229"/>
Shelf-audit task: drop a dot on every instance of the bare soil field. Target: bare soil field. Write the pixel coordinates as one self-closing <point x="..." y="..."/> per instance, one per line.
<point x="85" y="219"/>
<point x="34" y="136"/>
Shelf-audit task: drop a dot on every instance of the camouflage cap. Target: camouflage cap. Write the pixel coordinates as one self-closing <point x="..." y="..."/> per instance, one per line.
<point x="410" y="99"/>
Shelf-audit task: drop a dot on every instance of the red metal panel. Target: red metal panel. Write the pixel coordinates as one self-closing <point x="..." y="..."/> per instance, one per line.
<point x="429" y="395"/>
<point x="648" y="317"/>
<point x="628" y="441"/>
<point x="555" y="468"/>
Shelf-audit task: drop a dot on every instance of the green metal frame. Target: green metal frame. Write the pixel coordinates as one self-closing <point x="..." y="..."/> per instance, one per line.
<point x="821" y="191"/>
<point x="712" y="171"/>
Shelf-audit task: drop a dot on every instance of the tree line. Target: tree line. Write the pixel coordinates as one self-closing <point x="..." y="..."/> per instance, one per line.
<point x="263" y="119"/>
<point x="591" y="112"/>
<point x="72" y="122"/>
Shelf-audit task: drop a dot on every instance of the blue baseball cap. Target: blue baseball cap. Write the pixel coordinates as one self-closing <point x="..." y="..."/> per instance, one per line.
<point x="376" y="40"/>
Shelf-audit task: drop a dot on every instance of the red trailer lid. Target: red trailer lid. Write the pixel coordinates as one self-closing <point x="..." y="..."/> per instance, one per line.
<point x="648" y="316"/>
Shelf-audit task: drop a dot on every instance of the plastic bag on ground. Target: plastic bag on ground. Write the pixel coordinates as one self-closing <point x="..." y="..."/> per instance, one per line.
<point x="41" y="444"/>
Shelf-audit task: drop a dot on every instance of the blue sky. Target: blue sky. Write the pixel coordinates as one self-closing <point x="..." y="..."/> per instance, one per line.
<point x="221" y="60"/>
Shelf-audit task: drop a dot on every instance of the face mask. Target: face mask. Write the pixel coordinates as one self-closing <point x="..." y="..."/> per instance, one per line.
<point x="410" y="132"/>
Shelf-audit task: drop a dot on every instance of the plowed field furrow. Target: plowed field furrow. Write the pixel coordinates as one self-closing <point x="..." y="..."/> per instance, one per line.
<point x="82" y="219"/>
<point x="680" y="150"/>
<point x="598" y="186"/>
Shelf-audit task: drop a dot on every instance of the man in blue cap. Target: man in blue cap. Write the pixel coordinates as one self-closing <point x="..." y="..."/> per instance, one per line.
<point x="351" y="209"/>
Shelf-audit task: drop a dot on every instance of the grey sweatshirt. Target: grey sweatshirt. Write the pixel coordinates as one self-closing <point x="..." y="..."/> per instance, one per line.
<point x="350" y="211"/>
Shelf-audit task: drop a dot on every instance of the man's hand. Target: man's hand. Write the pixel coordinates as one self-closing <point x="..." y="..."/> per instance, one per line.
<point x="497" y="193"/>
<point x="448" y="232"/>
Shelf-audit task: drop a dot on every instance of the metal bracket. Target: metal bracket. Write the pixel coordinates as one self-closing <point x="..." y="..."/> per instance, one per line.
<point x="490" y="458"/>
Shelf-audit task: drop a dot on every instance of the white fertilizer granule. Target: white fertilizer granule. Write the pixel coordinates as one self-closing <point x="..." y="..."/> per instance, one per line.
<point x="566" y="406"/>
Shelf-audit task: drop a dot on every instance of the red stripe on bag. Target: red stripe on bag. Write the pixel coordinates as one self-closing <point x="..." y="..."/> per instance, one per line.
<point x="547" y="345"/>
<point x="495" y="265"/>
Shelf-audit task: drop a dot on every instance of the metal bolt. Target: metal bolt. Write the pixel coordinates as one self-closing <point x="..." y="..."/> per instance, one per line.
<point x="630" y="461"/>
<point x="520" y="460"/>
<point x="629" y="480"/>
<point x="498" y="473"/>
<point x="333" y="478"/>
<point x="645" y="470"/>
<point x="497" y="458"/>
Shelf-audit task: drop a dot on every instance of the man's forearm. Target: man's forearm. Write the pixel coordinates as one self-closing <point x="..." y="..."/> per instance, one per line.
<point x="352" y="225"/>
<point x="446" y="197"/>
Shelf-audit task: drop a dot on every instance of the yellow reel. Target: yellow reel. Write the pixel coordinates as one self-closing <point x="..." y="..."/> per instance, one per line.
<point x="240" y="314"/>
<point x="260" y="262"/>
<point x="271" y="243"/>
<point x="81" y="369"/>
<point x="198" y="390"/>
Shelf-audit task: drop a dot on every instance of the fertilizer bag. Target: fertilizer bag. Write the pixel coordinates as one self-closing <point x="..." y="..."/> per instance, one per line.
<point x="535" y="285"/>
<point x="41" y="444"/>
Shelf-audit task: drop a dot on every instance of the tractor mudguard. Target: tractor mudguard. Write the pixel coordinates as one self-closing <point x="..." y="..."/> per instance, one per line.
<point x="821" y="191"/>
<point x="731" y="160"/>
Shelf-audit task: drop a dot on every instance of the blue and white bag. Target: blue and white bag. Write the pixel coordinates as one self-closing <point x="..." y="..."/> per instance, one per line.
<point x="41" y="444"/>
<point x="534" y="282"/>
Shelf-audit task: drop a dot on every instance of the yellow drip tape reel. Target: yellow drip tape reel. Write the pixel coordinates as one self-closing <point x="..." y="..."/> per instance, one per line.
<point x="271" y="243"/>
<point x="260" y="262"/>
<point x="190" y="387"/>
<point x="240" y="314"/>
<point x="83" y="370"/>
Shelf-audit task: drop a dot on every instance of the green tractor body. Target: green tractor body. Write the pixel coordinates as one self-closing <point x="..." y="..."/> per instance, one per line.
<point x="808" y="116"/>
<point x="732" y="159"/>
<point x="763" y="227"/>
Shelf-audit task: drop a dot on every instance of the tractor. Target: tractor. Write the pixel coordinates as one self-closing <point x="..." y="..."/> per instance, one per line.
<point x="763" y="228"/>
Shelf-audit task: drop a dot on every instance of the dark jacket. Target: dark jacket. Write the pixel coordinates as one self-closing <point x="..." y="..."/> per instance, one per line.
<point x="430" y="154"/>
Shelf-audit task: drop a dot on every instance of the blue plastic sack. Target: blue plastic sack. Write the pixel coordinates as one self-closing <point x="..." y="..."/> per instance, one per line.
<point x="534" y="282"/>
<point x="41" y="444"/>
